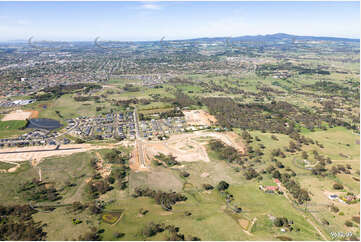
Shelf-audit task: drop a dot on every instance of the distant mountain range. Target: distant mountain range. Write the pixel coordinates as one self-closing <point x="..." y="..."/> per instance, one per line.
<point x="265" y="38"/>
<point x="277" y="37"/>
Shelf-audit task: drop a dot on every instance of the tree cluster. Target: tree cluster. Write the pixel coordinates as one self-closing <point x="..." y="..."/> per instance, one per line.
<point x="36" y="190"/>
<point x="166" y="200"/>
<point x="16" y="223"/>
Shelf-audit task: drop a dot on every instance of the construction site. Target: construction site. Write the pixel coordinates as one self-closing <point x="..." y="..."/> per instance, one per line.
<point x="186" y="147"/>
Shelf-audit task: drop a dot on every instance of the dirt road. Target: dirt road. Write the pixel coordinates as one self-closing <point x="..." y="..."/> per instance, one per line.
<point x="39" y="152"/>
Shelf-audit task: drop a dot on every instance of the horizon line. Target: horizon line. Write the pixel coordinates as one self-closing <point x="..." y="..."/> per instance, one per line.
<point x="162" y="38"/>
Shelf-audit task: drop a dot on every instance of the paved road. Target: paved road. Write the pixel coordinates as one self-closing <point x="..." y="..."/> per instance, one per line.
<point x="139" y="141"/>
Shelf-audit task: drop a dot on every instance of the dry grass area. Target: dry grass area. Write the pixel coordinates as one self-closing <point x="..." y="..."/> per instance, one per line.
<point x="199" y="117"/>
<point x="17" y="115"/>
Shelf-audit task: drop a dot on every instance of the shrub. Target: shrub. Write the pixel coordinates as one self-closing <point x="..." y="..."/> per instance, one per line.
<point x="284" y="238"/>
<point x="208" y="187"/>
<point x="279" y="222"/>
<point x="184" y="174"/>
<point x="356" y="219"/>
<point x="152" y="229"/>
<point x="348" y="223"/>
<point x="143" y="211"/>
<point x="118" y="235"/>
<point x="334" y="209"/>
<point x="337" y="186"/>
<point x="111" y="180"/>
<point x="222" y="185"/>
<point x="325" y="222"/>
<point x="279" y="164"/>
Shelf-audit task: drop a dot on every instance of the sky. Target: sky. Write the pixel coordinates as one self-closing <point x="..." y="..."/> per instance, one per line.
<point x="134" y="21"/>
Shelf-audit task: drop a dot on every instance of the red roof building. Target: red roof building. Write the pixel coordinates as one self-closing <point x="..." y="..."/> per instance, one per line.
<point x="271" y="188"/>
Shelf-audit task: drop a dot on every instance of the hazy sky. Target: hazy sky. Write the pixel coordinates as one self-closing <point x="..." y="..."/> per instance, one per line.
<point x="174" y="20"/>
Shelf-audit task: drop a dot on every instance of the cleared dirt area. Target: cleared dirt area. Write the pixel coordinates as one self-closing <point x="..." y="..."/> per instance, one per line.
<point x="244" y="223"/>
<point x="39" y="152"/>
<point x="102" y="168"/>
<point x="183" y="147"/>
<point x="199" y="117"/>
<point x="17" y="115"/>
<point x="34" y="114"/>
<point x="187" y="147"/>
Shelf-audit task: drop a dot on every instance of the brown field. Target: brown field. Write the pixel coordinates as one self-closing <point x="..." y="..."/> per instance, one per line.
<point x="17" y="115"/>
<point x="199" y="117"/>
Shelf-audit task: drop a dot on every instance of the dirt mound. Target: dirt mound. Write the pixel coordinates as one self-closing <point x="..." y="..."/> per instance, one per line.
<point x="34" y="114"/>
<point x="199" y="117"/>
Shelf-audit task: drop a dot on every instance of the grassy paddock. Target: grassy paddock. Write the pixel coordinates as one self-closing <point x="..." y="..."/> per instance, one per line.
<point x="12" y="128"/>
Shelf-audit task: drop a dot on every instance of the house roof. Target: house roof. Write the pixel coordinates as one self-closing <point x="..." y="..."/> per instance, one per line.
<point x="272" y="188"/>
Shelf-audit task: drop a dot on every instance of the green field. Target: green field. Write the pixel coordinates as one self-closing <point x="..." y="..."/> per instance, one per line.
<point x="12" y="128"/>
<point x="208" y="209"/>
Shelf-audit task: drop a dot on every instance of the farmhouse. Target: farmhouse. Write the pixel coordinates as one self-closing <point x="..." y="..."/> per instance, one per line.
<point x="269" y="189"/>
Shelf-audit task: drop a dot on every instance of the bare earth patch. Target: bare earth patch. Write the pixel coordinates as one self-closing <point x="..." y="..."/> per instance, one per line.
<point x="199" y="117"/>
<point x="204" y="174"/>
<point x="102" y="168"/>
<point x="39" y="152"/>
<point x="196" y="147"/>
<point x="17" y="115"/>
<point x="244" y="223"/>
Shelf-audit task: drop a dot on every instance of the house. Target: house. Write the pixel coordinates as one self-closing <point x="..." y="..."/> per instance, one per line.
<point x="349" y="198"/>
<point x="268" y="189"/>
<point x="271" y="189"/>
<point x="277" y="181"/>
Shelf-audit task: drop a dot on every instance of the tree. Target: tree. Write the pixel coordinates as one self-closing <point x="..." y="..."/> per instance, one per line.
<point x="279" y="164"/>
<point x="208" y="187"/>
<point x="279" y="222"/>
<point x="337" y="186"/>
<point x="222" y="185"/>
<point x="303" y="196"/>
<point x="276" y="174"/>
<point x="270" y="169"/>
<point x="250" y="173"/>
<point x="111" y="180"/>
